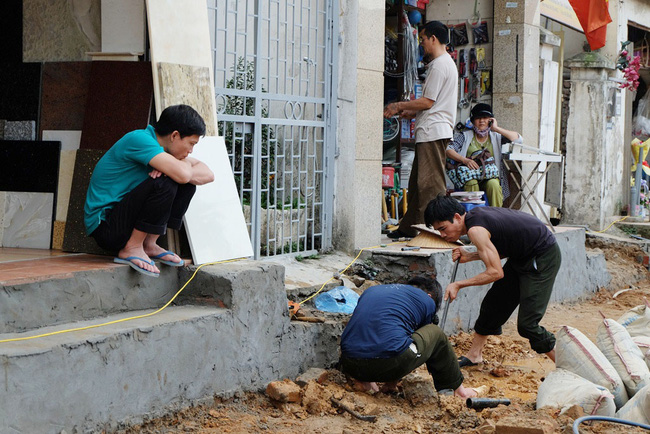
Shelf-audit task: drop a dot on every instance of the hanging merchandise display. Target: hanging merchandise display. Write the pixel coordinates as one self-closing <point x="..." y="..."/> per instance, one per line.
<point x="459" y="35"/>
<point x="411" y="56"/>
<point x="480" y="33"/>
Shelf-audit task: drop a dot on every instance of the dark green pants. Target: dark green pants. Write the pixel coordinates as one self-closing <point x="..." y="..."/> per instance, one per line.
<point x="527" y="284"/>
<point x="434" y="349"/>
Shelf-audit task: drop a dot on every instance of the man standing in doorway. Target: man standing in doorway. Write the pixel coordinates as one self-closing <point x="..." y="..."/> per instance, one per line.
<point x="435" y="117"/>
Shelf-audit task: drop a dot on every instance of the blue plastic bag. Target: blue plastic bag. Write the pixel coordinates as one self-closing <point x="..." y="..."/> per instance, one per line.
<point x="338" y="300"/>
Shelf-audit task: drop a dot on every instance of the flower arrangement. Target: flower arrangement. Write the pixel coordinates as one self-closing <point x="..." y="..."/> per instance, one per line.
<point x="630" y="66"/>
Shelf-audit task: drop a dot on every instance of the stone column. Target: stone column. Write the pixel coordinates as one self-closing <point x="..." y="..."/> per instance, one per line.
<point x="515" y="71"/>
<point x="594" y="171"/>
<point x="357" y="205"/>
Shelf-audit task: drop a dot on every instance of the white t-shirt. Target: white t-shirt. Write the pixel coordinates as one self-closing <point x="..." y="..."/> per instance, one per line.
<point x="441" y="86"/>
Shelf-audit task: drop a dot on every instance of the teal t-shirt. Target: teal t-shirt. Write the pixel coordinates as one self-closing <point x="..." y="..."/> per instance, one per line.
<point x="118" y="172"/>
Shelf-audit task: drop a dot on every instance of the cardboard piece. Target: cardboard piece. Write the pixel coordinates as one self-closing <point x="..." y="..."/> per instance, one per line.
<point x="215" y="224"/>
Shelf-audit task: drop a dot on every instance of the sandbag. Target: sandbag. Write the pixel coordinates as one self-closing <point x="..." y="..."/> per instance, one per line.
<point x="564" y="389"/>
<point x="636" y="321"/>
<point x="619" y="348"/>
<point x="643" y="342"/>
<point x="576" y="353"/>
<point x="637" y="409"/>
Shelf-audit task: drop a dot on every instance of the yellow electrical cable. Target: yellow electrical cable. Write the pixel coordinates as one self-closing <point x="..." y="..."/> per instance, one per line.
<point x="342" y="271"/>
<point x="123" y="319"/>
<point x="611" y="224"/>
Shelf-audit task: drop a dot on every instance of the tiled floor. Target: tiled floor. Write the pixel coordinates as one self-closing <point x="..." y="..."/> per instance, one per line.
<point x="19" y="266"/>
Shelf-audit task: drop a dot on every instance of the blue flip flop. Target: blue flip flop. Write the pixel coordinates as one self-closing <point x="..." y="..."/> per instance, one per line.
<point x="170" y="263"/>
<point x="129" y="261"/>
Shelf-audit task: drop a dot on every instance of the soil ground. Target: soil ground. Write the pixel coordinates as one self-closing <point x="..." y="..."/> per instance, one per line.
<point x="511" y="369"/>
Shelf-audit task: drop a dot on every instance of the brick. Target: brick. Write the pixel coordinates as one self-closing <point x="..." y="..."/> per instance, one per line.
<point x="312" y="374"/>
<point x="283" y="391"/>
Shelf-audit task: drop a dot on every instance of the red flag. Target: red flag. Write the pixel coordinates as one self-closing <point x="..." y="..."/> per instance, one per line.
<point x="593" y="16"/>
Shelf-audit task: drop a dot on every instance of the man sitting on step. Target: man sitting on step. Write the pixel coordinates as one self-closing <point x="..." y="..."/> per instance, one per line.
<point x="143" y="185"/>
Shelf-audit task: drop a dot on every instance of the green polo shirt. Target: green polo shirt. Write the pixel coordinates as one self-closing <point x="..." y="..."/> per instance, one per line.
<point x="118" y="172"/>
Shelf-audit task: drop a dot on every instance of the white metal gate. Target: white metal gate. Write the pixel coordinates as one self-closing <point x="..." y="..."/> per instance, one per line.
<point x="275" y="83"/>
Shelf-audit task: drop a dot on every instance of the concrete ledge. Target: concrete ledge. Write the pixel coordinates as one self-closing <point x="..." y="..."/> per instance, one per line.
<point x="124" y="373"/>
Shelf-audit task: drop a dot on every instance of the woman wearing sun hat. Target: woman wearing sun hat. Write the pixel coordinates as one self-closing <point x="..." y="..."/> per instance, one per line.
<point x="485" y="134"/>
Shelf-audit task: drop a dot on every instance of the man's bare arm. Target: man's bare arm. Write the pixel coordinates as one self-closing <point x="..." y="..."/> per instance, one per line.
<point x="486" y="252"/>
<point x="201" y="173"/>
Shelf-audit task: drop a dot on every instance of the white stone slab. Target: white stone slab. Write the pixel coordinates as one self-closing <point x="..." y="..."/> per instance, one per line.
<point x="27" y="220"/>
<point x="215" y="224"/>
<point x="70" y="139"/>
<point x="123" y="26"/>
<point x="179" y="33"/>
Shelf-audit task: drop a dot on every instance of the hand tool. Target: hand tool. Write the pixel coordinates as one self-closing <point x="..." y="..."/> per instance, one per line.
<point x="453" y="279"/>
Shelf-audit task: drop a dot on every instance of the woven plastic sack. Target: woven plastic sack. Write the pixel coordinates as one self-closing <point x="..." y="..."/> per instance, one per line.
<point x="576" y="353"/>
<point x="626" y="357"/>
<point x="563" y="389"/>
<point x="636" y="321"/>
<point x="338" y="300"/>
<point x="643" y="342"/>
<point x="637" y="409"/>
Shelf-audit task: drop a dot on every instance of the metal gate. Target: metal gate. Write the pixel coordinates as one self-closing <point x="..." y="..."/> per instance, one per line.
<point x="275" y="84"/>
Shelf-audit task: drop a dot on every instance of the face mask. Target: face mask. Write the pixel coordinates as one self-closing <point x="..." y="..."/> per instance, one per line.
<point x="481" y="133"/>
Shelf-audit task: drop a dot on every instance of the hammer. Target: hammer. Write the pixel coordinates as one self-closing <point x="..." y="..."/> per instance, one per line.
<point x="453" y="279"/>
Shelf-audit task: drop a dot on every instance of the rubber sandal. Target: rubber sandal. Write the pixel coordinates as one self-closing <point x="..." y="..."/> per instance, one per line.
<point x="464" y="361"/>
<point x="170" y="263"/>
<point x="129" y="261"/>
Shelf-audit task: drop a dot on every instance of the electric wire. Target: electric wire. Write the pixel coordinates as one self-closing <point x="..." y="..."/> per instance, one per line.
<point x="76" y="329"/>
<point x="610" y="225"/>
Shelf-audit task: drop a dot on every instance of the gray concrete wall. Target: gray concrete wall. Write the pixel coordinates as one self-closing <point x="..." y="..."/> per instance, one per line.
<point x="580" y="275"/>
<point x="130" y="371"/>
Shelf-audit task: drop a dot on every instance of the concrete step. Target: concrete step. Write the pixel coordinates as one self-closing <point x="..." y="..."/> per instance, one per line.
<point x="58" y="382"/>
<point x="82" y="295"/>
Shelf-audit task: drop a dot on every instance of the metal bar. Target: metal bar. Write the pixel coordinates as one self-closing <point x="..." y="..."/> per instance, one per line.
<point x="453" y="279"/>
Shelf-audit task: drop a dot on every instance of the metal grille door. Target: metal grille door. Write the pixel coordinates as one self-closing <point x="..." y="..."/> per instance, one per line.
<point x="275" y="83"/>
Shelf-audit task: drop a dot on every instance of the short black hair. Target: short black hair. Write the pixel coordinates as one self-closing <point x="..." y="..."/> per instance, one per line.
<point x="437" y="29"/>
<point x="441" y="209"/>
<point x="430" y="286"/>
<point x="181" y="118"/>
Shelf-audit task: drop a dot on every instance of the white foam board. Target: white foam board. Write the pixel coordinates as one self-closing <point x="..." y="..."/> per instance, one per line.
<point x="214" y="221"/>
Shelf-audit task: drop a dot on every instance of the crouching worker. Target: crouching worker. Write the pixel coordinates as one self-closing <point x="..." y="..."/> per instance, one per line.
<point x="393" y="331"/>
<point x="143" y="185"/>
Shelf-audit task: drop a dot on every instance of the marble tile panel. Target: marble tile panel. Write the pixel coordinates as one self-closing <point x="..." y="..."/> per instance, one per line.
<point x="123" y="26"/>
<point x="60" y="30"/>
<point x="11" y="23"/>
<point x="63" y="95"/>
<point x="216" y="203"/>
<point x="74" y="238"/>
<point x="186" y="84"/>
<point x="119" y="101"/>
<point x="66" y="170"/>
<point x="70" y="140"/>
<point x="27" y="220"/>
<point x="58" y="230"/>
<point x="20" y="130"/>
<point x="29" y="166"/>
<point x="2" y="128"/>
<point x="179" y="33"/>
<point x="20" y="87"/>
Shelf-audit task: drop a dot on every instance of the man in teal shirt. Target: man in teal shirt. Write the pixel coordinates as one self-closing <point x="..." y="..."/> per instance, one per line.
<point x="143" y="185"/>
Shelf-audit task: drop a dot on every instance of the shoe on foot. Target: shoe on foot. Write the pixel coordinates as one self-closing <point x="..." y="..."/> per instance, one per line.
<point x="464" y="361"/>
<point x="129" y="261"/>
<point x="170" y="263"/>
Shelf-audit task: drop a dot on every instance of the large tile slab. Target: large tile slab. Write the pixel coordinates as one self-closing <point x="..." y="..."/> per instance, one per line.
<point x="75" y="239"/>
<point x="27" y="219"/>
<point x="31" y="166"/>
<point x="216" y="203"/>
<point x="64" y="94"/>
<point x="19" y="90"/>
<point x="20" y="130"/>
<point x="179" y="33"/>
<point x="119" y="101"/>
<point x="60" y="30"/>
<point x="70" y="140"/>
<point x="11" y="23"/>
<point x="123" y="26"/>
<point x="66" y="171"/>
<point x="186" y="84"/>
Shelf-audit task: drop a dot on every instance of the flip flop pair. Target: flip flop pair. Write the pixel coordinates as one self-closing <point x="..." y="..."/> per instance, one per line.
<point x="136" y="267"/>
<point x="170" y="263"/>
<point x="464" y="361"/>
